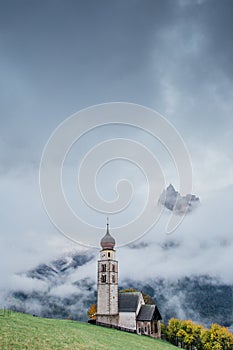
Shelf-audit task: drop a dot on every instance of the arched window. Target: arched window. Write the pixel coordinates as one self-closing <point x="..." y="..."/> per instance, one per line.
<point x="113" y="279"/>
<point x="103" y="267"/>
<point x="103" y="278"/>
<point x="113" y="268"/>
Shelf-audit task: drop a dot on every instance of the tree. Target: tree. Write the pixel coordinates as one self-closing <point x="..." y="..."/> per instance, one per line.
<point x="186" y="334"/>
<point x="128" y="290"/>
<point x="147" y="298"/>
<point x="163" y="330"/>
<point x="173" y="328"/>
<point x="217" y="338"/>
<point x="189" y="335"/>
<point x="91" y="313"/>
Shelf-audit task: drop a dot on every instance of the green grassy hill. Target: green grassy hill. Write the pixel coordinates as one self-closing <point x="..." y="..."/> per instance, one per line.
<point x="21" y="331"/>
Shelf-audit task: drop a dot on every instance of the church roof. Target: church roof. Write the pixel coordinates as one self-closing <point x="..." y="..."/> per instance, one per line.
<point x="107" y="242"/>
<point x="128" y="302"/>
<point x="149" y="313"/>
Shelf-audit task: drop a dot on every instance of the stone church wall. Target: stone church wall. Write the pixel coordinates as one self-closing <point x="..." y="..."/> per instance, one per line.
<point x="107" y="320"/>
<point x="107" y="299"/>
<point x="127" y="320"/>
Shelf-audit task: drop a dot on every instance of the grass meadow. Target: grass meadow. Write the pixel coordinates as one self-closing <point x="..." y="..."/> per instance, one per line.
<point x="23" y="331"/>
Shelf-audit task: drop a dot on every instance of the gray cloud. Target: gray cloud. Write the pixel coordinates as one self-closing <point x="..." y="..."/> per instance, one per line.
<point x="59" y="57"/>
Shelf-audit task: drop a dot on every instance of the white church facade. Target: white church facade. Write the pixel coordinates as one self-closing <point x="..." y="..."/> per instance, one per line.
<point x="126" y="311"/>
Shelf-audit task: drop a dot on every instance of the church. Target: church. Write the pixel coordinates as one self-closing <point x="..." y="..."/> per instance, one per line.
<point x="125" y="311"/>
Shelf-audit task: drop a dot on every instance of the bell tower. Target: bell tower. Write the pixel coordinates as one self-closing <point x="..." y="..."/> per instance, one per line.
<point x="107" y="284"/>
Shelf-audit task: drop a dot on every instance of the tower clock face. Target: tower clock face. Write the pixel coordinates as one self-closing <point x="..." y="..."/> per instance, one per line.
<point x="103" y="255"/>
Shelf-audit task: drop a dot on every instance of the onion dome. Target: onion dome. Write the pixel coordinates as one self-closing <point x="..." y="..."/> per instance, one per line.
<point x="107" y="242"/>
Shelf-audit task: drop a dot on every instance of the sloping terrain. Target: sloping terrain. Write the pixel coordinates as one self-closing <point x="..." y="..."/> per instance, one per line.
<point x="21" y="331"/>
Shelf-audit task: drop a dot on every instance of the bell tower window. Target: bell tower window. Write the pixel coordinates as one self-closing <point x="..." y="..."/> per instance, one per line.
<point x="103" y="267"/>
<point x="103" y="278"/>
<point x="109" y="254"/>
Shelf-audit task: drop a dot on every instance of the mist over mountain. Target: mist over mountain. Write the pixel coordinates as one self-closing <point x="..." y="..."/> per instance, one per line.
<point x="60" y="290"/>
<point x="56" y="289"/>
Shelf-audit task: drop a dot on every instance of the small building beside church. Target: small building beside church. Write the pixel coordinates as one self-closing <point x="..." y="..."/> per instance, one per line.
<point x="126" y="311"/>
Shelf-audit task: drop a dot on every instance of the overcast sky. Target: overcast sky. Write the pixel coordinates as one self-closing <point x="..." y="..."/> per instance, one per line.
<point x="57" y="57"/>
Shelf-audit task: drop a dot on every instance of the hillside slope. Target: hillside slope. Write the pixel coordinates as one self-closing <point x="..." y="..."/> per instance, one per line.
<point x="21" y="331"/>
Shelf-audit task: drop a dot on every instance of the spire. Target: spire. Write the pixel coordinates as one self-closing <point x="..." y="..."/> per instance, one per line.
<point x="107" y="242"/>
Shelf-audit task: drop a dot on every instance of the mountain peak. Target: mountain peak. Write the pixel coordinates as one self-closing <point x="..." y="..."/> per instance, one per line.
<point x="172" y="200"/>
